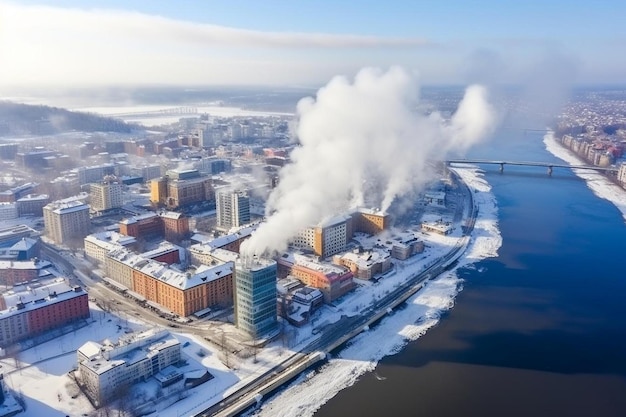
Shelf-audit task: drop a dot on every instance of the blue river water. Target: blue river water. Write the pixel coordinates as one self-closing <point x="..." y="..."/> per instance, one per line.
<point x="540" y="330"/>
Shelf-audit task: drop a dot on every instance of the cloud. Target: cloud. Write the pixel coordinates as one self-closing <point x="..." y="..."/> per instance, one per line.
<point x="40" y="44"/>
<point x="363" y="143"/>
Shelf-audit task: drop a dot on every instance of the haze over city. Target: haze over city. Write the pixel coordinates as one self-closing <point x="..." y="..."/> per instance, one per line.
<point x="49" y="43"/>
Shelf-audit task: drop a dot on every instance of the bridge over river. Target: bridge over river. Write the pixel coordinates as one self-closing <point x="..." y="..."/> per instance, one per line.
<point x="549" y="165"/>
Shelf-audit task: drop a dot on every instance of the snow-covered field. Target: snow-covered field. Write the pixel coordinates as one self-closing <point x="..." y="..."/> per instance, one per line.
<point x="305" y="396"/>
<point x="42" y="377"/>
<point x="598" y="183"/>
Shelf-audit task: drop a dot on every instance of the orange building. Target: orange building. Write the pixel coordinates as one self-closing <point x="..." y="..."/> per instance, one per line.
<point x="184" y="293"/>
<point x="180" y="188"/>
<point x="158" y="190"/>
<point x="332" y="280"/>
<point x="369" y="221"/>
<point x="171" y="225"/>
<point x="175" y="225"/>
<point x="144" y="225"/>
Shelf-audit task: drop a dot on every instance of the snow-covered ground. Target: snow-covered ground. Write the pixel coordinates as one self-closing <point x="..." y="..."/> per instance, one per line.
<point x="47" y="365"/>
<point x="305" y="396"/>
<point x="598" y="183"/>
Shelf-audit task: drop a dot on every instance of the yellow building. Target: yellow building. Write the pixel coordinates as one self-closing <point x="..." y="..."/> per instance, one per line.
<point x="158" y="190"/>
<point x="370" y="221"/>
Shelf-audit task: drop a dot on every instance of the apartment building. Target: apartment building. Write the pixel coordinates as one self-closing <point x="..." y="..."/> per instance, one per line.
<point x="332" y="280"/>
<point x="97" y="245"/>
<point x="39" y="307"/>
<point x="15" y="272"/>
<point x="106" y="195"/>
<point x="233" y="209"/>
<point x="107" y="370"/>
<point x="66" y="220"/>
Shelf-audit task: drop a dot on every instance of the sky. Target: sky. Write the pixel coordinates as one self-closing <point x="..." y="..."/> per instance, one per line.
<point x="72" y="43"/>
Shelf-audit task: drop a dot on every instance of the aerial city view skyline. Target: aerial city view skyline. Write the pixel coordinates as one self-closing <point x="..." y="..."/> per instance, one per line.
<point x="297" y="209"/>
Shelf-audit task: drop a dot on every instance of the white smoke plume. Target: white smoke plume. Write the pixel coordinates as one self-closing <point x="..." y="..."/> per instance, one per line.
<point x="363" y="142"/>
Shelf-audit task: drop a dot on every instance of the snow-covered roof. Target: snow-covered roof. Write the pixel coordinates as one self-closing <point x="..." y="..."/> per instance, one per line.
<point x="232" y="237"/>
<point x="64" y="207"/>
<point x="31" y="264"/>
<point x="139" y="217"/>
<point x="325" y="268"/>
<point x="185" y="280"/>
<point x="33" y="303"/>
<point x="375" y="211"/>
<point x="367" y="259"/>
<point x="90" y="349"/>
<point x="110" y="240"/>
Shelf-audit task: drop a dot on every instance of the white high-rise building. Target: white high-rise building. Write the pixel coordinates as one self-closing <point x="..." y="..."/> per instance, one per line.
<point x="106" y="196"/>
<point x="66" y="220"/>
<point x="233" y="209"/>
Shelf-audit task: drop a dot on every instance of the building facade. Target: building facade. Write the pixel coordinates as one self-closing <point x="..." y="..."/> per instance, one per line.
<point x="8" y="211"/>
<point x="37" y="308"/>
<point x="181" y="293"/>
<point x="370" y="221"/>
<point x="233" y="209"/>
<point x="32" y="204"/>
<point x="255" y="297"/>
<point x="181" y="188"/>
<point x="97" y="245"/>
<point x="66" y="221"/>
<point x="106" y="196"/>
<point x="327" y="239"/>
<point x="107" y="370"/>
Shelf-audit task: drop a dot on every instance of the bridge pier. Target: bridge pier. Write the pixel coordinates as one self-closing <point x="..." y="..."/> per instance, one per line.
<point x="550" y="170"/>
<point x="501" y="168"/>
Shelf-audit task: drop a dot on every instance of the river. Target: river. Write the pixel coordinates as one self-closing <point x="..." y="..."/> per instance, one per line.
<point x="540" y="330"/>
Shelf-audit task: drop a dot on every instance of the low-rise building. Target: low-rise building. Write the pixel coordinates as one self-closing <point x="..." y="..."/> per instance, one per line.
<point x="405" y="246"/>
<point x="365" y="265"/>
<point x="8" y="211"/>
<point x="369" y="221"/>
<point x="170" y="225"/>
<point x="11" y="235"/>
<point x="107" y="370"/>
<point x="23" y="250"/>
<point x="230" y="242"/>
<point x="97" y="245"/>
<point x="438" y="226"/>
<point x="32" y="204"/>
<point x="29" y="310"/>
<point x="15" y="272"/>
<point x="332" y="280"/>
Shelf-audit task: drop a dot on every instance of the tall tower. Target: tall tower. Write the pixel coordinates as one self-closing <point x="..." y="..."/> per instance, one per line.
<point x="233" y="209"/>
<point x="255" y="296"/>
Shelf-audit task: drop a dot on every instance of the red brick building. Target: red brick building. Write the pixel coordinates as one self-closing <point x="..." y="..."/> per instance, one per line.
<point x="14" y="272"/>
<point x="39" y="307"/>
<point x="170" y="225"/>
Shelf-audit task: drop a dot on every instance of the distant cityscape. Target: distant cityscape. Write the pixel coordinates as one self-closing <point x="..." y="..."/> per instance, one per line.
<point x="150" y="225"/>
